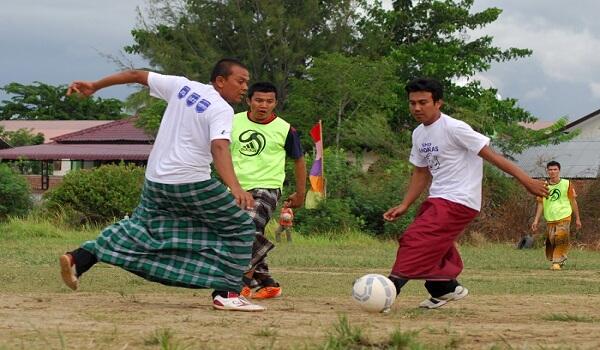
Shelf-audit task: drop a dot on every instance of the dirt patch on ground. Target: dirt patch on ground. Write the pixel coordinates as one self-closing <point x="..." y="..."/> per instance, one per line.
<point x="116" y="321"/>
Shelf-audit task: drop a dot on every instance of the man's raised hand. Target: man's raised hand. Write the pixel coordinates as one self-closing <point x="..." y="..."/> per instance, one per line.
<point x="85" y="88"/>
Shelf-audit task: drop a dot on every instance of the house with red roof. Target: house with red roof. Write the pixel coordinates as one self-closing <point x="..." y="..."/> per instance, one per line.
<point x="111" y="142"/>
<point x="50" y="128"/>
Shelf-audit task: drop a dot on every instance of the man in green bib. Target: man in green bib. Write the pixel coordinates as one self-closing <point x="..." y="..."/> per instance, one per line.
<point x="260" y="142"/>
<point x="558" y="207"/>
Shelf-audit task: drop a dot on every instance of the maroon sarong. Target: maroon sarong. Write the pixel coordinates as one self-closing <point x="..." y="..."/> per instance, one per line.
<point x="426" y="249"/>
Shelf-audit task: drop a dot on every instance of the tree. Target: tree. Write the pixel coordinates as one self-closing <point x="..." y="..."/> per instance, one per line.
<point x="354" y="96"/>
<point x="21" y="137"/>
<point x="15" y="194"/>
<point x="288" y="42"/>
<point x="429" y="38"/>
<point x="41" y="101"/>
<point x="275" y="38"/>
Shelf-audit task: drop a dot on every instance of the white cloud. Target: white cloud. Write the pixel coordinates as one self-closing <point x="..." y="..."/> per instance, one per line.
<point x="563" y="53"/>
<point x="535" y="93"/>
<point x="595" y="89"/>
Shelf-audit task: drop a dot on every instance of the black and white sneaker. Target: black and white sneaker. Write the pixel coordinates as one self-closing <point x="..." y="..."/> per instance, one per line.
<point x="433" y="303"/>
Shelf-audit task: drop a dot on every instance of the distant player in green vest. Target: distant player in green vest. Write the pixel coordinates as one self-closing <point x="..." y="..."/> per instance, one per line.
<point x="260" y="142"/>
<point x="558" y="207"/>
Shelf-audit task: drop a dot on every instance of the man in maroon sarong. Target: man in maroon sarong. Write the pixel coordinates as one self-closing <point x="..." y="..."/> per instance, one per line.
<point x="448" y="154"/>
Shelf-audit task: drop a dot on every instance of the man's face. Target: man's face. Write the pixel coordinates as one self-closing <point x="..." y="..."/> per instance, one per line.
<point x="233" y="87"/>
<point x="553" y="172"/>
<point x="261" y="105"/>
<point x="423" y="108"/>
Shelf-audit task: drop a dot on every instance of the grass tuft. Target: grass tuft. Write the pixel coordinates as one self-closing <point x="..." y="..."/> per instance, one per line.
<point x="165" y="339"/>
<point x="344" y="336"/>
<point x="267" y="332"/>
<point x="570" y="318"/>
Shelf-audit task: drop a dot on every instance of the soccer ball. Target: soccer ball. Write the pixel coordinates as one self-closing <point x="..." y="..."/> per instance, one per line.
<point x="286" y="217"/>
<point x="374" y="293"/>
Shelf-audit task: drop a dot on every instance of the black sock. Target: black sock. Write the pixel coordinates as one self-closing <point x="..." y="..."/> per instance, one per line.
<point x="268" y="282"/>
<point x="83" y="260"/>
<point x="398" y="282"/>
<point x="247" y="281"/>
<point x="439" y="288"/>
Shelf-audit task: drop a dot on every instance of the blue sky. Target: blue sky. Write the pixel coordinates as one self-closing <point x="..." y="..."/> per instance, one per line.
<point x="57" y="41"/>
<point x="562" y="76"/>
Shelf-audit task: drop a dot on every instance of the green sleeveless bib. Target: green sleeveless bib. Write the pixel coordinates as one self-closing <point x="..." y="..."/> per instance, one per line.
<point x="258" y="152"/>
<point x="557" y="206"/>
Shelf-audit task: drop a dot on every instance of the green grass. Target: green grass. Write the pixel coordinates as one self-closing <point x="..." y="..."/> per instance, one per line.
<point x="165" y="339"/>
<point x="31" y="247"/>
<point x="346" y="336"/>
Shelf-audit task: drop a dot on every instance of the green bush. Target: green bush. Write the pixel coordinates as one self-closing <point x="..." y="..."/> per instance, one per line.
<point x="332" y="215"/>
<point x="335" y="213"/>
<point x="97" y="195"/>
<point x="355" y="199"/>
<point x="15" y="194"/>
<point x="381" y="188"/>
<point x="497" y="187"/>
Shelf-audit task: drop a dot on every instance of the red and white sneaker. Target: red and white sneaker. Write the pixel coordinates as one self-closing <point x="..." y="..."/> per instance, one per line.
<point x="235" y="302"/>
<point x="67" y="271"/>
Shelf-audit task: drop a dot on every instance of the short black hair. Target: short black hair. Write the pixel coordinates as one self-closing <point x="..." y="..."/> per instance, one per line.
<point x="223" y="68"/>
<point x="262" y="86"/>
<point x="553" y="163"/>
<point x="426" y="84"/>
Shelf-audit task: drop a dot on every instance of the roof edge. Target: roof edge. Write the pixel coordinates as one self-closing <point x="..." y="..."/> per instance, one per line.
<point x="581" y="120"/>
<point x="94" y="128"/>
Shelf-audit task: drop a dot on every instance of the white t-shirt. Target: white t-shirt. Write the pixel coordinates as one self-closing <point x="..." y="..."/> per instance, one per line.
<point x="196" y="114"/>
<point x="449" y="148"/>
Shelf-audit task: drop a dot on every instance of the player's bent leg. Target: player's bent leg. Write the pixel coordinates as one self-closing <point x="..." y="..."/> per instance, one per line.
<point x="269" y="289"/>
<point x="67" y="271"/>
<point x="73" y="264"/>
<point x="442" y="292"/>
<point x="398" y="282"/>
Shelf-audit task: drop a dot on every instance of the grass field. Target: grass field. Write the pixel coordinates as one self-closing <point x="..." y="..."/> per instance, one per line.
<point x="516" y="302"/>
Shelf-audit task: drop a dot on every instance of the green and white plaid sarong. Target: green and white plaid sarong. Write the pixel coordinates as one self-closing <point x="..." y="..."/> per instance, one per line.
<point x="189" y="235"/>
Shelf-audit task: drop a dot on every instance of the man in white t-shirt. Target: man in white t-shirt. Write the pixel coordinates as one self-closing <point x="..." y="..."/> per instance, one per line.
<point x="448" y="154"/>
<point x="188" y="230"/>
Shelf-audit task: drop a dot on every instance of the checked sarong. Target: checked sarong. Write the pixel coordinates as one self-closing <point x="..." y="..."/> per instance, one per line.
<point x="265" y="201"/>
<point x="187" y="235"/>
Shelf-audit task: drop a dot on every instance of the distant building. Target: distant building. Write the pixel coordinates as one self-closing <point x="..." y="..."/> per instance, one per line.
<point x="50" y="128"/>
<point x="579" y="158"/>
<point x="108" y="142"/>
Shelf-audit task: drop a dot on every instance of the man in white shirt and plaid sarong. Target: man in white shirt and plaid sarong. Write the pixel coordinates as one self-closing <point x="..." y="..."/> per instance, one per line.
<point x="188" y="230"/>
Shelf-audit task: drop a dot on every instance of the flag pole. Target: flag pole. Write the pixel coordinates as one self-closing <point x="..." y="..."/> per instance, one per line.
<point x="323" y="160"/>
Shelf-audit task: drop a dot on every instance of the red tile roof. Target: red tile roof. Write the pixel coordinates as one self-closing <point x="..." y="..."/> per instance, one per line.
<point x="116" y="140"/>
<point x="55" y="151"/>
<point x="50" y="128"/>
<point x="118" y="131"/>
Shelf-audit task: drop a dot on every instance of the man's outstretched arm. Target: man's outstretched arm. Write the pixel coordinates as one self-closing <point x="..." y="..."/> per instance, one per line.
<point x="536" y="187"/>
<point x="88" y="88"/>
<point x="419" y="181"/>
